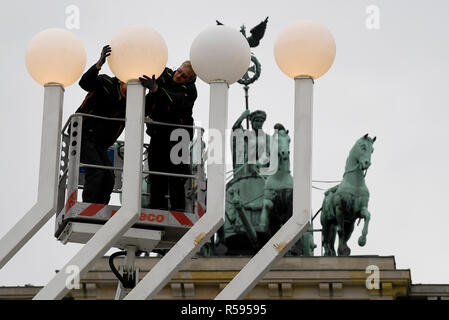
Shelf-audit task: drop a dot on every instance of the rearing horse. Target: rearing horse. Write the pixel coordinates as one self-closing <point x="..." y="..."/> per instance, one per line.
<point x="348" y="201"/>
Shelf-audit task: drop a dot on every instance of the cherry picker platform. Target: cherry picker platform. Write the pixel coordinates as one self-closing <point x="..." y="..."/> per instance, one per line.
<point x="77" y="221"/>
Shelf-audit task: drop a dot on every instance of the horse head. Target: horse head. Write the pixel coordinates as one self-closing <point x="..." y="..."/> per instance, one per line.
<point x="283" y="142"/>
<point x="362" y="150"/>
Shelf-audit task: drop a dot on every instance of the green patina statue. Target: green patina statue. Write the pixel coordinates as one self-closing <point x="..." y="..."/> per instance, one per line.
<point x="257" y="206"/>
<point x="348" y="201"/>
<point x="278" y="190"/>
<point x="248" y="146"/>
<point x="242" y="234"/>
<point x="278" y="196"/>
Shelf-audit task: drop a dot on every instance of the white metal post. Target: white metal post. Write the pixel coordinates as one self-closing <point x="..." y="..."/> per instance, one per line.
<point x="294" y="228"/>
<point x="302" y="157"/>
<point x="47" y="194"/>
<point x="204" y="228"/>
<point x="128" y="214"/>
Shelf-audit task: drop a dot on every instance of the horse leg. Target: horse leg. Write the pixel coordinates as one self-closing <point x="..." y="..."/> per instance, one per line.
<point x="325" y="236"/>
<point x="326" y="225"/>
<point x="328" y="234"/>
<point x="339" y="214"/>
<point x="349" y="228"/>
<point x="307" y="243"/>
<point x="264" y="216"/>
<point x="267" y="208"/>
<point x="366" y="216"/>
<point x="332" y="236"/>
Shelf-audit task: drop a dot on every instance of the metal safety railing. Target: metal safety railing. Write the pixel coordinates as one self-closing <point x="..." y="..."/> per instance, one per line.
<point x="71" y="168"/>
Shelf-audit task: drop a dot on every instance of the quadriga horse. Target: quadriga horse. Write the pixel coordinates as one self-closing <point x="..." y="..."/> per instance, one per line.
<point x="278" y="191"/>
<point x="348" y="201"/>
<point x="278" y="196"/>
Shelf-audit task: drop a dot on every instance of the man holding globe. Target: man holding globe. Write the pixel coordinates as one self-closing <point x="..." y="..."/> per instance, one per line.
<point x="170" y="99"/>
<point x="106" y="98"/>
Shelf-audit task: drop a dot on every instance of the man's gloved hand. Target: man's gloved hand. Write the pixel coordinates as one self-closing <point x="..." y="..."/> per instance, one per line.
<point x="149" y="83"/>
<point x="105" y="52"/>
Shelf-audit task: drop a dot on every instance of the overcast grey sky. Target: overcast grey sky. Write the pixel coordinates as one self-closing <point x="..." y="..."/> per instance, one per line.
<point x="389" y="82"/>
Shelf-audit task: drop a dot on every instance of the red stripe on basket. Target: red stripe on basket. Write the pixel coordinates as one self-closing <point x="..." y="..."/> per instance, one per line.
<point x="70" y="201"/>
<point x="92" y="210"/>
<point x="200" y="209"/>
<point x="182" y="218"/>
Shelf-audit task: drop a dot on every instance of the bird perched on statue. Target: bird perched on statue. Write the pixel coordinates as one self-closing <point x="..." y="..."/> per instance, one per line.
<point x="257" y="32"/>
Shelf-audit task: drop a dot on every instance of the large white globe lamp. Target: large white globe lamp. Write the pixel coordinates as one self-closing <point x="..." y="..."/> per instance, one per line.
<point x="220" y="53"/>
<point x="137" y="50"/>
<point x="304" y="48"/>
<point x="55" y="56"/>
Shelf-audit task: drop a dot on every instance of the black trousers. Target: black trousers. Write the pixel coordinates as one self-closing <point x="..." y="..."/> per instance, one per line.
<point x="98" y="183"/>
<point x="160" y="186"/>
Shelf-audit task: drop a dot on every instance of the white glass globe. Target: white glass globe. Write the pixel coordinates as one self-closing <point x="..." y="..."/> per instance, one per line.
<point x="136" y="51"/>
<point x="220" y="53"/>
<point x="304" y="48"/>
<point x="55" y="56"/>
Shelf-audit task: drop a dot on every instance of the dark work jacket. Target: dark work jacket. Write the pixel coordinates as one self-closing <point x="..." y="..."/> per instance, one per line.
<point x="104" y="99"/>
<point x="172" y="103"/>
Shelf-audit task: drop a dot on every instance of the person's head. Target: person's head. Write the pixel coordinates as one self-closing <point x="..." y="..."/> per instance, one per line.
<point x="184" y="73"/>
<point x="257" y="119"/>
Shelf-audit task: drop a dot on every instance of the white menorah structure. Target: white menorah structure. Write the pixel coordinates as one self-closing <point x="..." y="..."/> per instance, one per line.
<point x="304" y="50"/>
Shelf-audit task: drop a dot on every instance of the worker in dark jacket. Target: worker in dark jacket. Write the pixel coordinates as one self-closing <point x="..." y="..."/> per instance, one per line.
<point x="170" y="99"/>
<point x="106" y="98"/>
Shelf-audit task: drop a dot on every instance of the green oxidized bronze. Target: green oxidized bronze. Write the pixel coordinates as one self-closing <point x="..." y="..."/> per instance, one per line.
<point x="278" y="196"/>
<point x="241" y="233"/>
<point x="348" y="201"/>
<point x="249" y="145"/>
<point x="256" y="205"/>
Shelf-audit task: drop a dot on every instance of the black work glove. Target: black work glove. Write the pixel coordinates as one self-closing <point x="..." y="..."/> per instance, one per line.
<point x="106" y="52"/>
<point x="149" y="83"/>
